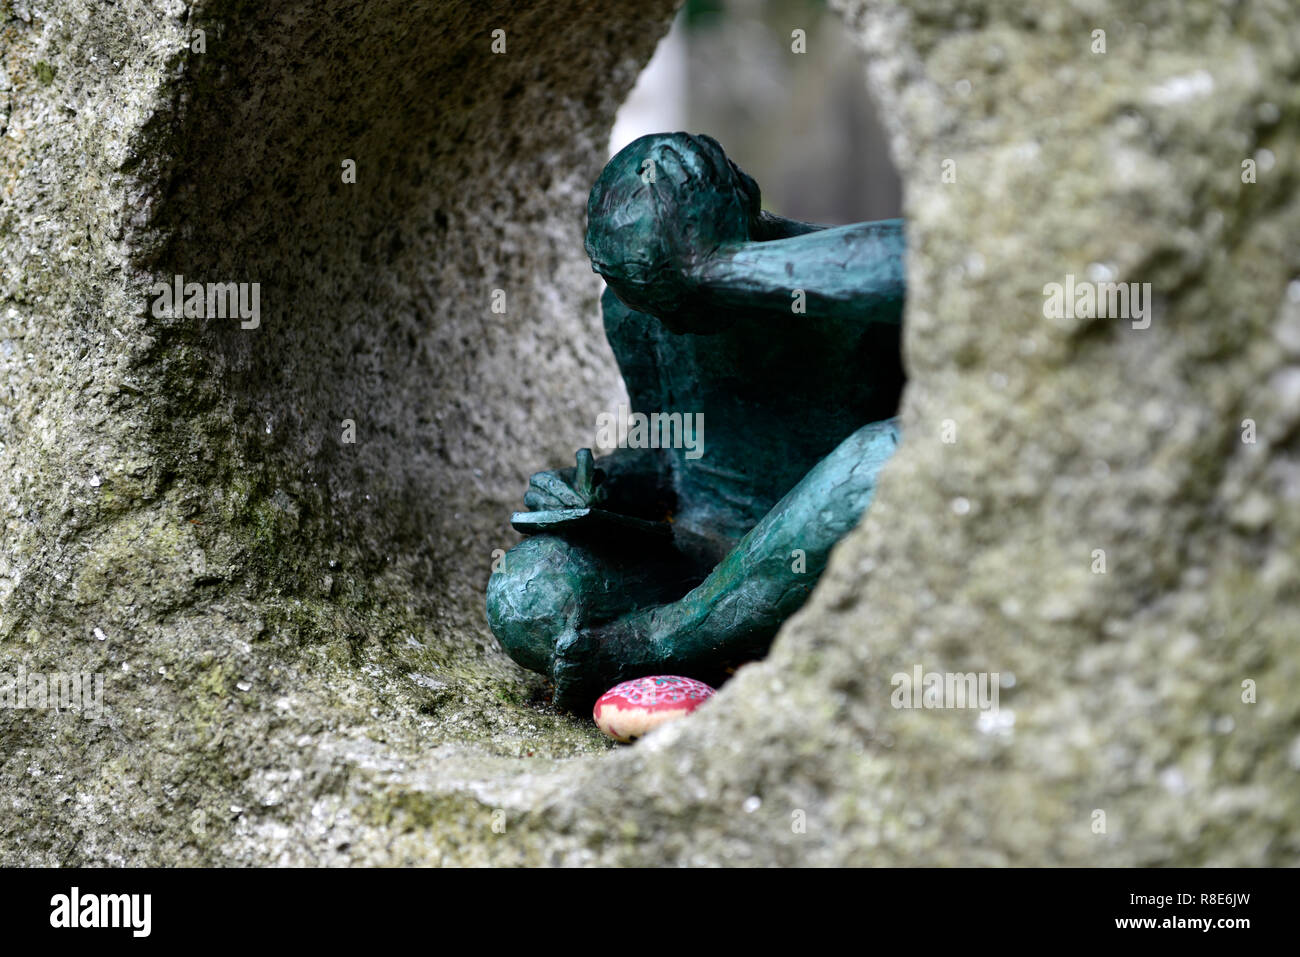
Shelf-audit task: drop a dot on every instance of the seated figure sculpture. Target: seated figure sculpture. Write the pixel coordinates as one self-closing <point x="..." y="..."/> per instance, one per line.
<point x="784" y="338"/>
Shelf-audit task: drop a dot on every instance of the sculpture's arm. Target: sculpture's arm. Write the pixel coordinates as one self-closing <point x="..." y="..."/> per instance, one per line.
<point x="853" y="273"/>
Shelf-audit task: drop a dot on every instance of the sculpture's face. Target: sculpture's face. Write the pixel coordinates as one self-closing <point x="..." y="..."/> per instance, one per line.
<point x="663" y="202"/>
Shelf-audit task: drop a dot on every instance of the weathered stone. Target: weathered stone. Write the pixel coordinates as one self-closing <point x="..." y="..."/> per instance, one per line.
<point x="281" y="606"/>
<point x="276" y="707"/>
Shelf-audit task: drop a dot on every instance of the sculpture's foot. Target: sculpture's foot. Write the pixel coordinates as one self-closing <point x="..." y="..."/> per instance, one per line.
<point x="591" y="660"/>
<point x="547" y="593"/>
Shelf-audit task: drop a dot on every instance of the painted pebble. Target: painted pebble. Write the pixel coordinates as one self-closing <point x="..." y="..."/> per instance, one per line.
<point x="627" y="711"/>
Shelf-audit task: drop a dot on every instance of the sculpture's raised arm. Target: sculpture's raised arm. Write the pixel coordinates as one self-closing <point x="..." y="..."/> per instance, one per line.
<point x="842" y="272"/>
<point x="678" y="232"/>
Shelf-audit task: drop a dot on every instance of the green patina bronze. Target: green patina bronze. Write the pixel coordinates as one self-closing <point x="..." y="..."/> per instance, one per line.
<point x="784" y="338"/>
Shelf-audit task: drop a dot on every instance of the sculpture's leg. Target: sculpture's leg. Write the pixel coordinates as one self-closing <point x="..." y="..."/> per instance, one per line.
<point x="547" y="587"/>
<point x="735" y="612"/>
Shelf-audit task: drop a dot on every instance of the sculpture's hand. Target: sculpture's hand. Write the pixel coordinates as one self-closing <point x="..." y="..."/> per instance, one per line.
<point x="580" y="486"/>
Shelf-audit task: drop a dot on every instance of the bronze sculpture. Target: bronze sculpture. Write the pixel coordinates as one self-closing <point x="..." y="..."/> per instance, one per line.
<point x="784" y="338"/>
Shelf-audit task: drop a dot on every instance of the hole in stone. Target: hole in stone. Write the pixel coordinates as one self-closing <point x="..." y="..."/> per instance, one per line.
<point x="347" y="466"/>
<point x="792" y="386"/>
<point x="802" y="125"/>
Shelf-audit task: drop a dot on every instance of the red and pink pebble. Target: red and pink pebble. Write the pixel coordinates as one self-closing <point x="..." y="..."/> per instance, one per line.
<point x="627" y="711"/>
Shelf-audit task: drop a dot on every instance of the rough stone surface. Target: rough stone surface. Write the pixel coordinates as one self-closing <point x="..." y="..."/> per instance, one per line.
<point x="281" y="609"/>
<point x="296" y="673"/>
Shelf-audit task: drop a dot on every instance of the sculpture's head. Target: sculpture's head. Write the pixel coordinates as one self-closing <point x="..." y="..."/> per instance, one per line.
<point x="664" y="202"/>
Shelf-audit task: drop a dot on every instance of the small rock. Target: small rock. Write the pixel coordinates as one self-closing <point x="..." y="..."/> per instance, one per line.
<point x="628" y="710"/>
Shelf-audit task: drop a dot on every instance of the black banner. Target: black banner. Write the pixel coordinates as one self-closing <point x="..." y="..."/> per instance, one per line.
<point x="333" y="906"/>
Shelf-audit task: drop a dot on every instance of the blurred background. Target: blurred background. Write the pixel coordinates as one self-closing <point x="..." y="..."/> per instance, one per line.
<point x="800" y="123"/>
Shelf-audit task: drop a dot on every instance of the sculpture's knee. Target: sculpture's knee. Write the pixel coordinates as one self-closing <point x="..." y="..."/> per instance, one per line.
<point x="536" y="594"/>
